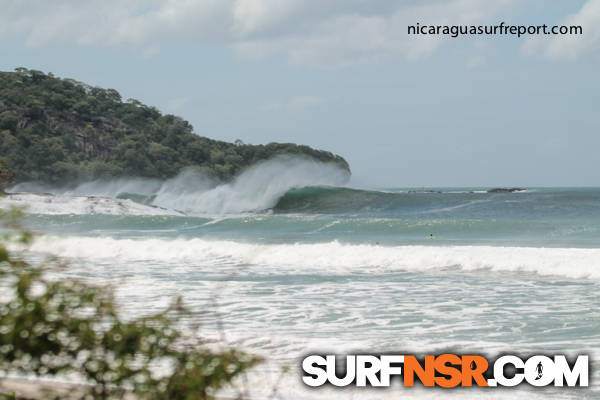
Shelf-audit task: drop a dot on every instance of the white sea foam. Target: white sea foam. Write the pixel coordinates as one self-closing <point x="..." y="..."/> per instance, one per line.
<point x="194" y="192"/>
<point x="258" y="188"/>
<point x="37" y="203"/>
<point x="113" y="188"/>
<point x="285" y="301"/>
<point x="335" y="257"/>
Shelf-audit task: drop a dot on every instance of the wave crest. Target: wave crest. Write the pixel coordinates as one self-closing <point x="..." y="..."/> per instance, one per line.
<point x="258" y="188"/>
<point x="329" y="258"/>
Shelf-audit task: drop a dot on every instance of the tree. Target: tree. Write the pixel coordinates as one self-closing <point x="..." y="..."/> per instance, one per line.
<point x="6" y="175"/>
<point x="95" y="126"/>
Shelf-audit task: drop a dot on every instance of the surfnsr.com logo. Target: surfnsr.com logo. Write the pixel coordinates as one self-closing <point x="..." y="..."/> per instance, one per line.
<point x="445" y="370"/>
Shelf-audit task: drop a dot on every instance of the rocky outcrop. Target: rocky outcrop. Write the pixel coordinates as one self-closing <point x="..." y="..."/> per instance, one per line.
<point x="505" y="190"/>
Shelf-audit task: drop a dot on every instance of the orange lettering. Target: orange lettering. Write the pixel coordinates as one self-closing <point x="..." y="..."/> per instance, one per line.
<point x="412" y="367"/>
<point x="441" y="366"/>
<point x="473" y="368"/>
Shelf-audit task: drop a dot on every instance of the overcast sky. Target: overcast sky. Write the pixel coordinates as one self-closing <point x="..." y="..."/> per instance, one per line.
<point x="343" y="75"/>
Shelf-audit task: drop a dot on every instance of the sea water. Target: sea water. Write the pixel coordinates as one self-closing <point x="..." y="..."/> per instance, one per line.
<point x="325" y="269"/>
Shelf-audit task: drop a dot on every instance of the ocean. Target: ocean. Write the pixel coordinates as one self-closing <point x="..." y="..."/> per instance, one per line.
<point x="297" y="269"/>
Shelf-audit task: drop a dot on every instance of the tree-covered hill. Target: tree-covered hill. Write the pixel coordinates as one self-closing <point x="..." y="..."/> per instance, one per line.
<point x="56" y="130"/>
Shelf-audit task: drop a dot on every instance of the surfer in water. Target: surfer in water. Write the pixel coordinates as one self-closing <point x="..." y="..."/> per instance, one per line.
<point x="431" y="236"/>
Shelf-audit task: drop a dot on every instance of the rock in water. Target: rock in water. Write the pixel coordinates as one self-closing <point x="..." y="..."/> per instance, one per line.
<point x="505" y="190"/>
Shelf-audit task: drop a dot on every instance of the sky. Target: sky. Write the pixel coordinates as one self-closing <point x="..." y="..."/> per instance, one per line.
<point x="344" y="76"/>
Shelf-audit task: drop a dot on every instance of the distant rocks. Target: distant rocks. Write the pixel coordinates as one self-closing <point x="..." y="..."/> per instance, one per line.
<point x="505" y="190"/>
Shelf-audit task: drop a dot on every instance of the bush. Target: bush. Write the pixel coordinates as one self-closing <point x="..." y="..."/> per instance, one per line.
<point x="48" y="327"/>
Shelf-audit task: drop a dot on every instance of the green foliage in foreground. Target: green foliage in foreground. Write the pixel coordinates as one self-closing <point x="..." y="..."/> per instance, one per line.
<point x="50" y="326"/>
<point x="59" y="130"/>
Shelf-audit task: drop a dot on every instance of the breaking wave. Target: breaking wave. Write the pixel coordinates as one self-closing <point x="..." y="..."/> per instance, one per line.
<point x="193" y="192"/>
<point x="257" y="189"/>
<point x="329" y="258"/>
<point x="297" y="185"/>
<point x="49" y="204"/>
